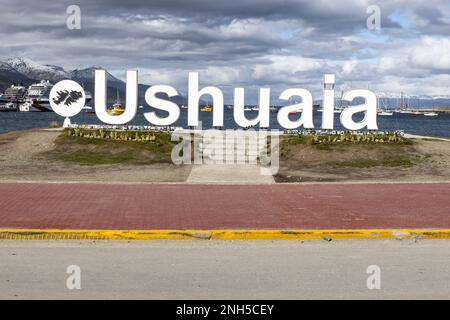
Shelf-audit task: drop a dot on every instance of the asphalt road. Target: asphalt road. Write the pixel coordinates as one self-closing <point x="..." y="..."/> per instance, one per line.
<point x="225" y="270"/>
<point x="203" y="206"/>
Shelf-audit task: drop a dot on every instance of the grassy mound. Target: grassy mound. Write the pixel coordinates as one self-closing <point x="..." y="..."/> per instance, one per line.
<point x="335" y="157"/>
<point x="90" y="149"/>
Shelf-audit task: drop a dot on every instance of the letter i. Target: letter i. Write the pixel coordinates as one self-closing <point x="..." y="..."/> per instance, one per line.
<point x="328" y="102"/>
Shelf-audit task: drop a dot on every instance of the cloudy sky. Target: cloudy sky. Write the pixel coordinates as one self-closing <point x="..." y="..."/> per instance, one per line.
<point x="248" y="43"/>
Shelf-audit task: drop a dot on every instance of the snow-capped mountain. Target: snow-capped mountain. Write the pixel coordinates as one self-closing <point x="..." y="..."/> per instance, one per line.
<point x="27" y="71"/>
<point x="37" y="71"/>
<point x="34" y="70"/>
<point x="88" y="73"/>
<point x="85" y="77"/>
<point x="6" y="67"/>
<point x="9" y="76"/>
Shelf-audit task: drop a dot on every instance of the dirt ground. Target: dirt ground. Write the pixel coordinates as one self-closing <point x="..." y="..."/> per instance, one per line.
<point x="421" y="160"/>
<point x="26" y="156"/>
<point x="23" y="156"/>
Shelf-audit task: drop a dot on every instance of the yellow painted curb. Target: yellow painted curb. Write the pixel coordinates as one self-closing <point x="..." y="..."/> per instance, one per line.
<point x="294" y="234"/>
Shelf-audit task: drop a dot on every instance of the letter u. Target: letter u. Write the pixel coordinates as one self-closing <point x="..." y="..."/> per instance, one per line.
<point x="131" y="98"/>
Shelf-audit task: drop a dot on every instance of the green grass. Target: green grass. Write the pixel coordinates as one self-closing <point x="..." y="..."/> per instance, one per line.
<point x="319" y="140"/>
<point x="368" y="163"/>
<point x="89" y="151"/>
<point x="299" y="139"/>
<point x="344" y="142"/>
<point x="325" y="146"/>
<point x="95" y="158"/>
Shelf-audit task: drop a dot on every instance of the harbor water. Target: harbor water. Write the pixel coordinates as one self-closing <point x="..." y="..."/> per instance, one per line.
<point x="438" y="126"/>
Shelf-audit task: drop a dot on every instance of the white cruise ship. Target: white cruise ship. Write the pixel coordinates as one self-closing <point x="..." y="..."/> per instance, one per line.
<point x="14" y="94"/>
<point x="37" y="98"/>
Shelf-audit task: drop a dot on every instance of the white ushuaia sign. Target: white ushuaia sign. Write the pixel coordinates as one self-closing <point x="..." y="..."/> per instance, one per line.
<point x="67" y="99"/>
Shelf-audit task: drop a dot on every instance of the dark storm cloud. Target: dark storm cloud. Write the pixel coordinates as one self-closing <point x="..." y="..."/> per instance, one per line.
<point x="252" y="42"/>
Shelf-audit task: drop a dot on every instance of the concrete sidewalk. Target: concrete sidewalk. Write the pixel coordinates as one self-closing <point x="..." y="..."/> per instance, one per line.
<point x="225" y="270"/>
<point x="228" y="173"/>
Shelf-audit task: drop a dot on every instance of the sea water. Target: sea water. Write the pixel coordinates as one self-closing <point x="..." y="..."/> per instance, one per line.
<point x="438" y="126"/>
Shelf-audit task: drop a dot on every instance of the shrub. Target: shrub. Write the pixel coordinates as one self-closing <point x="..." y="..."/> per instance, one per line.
<point x="318" y="139"/>
<point x="106" y="134"/>
<point x="53" y="125"/>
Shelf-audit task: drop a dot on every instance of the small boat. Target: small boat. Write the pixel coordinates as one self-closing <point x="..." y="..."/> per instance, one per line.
<point x="183" y="107"/>
<point x="430" y="114"/>
<point x="273" y="109"/>
<point x="230" y="107"/>
<point x="382" y="110"/>
<point x="206" y="109"/>
<point x="338" y="109"/>
<point x="406" y="111"/>
<point x="27" y="106"/>
<point x="8" y="107"/>
<point x="88" y="110"/>
<point x="384" y="113"/>
<point x="117" y="108"/>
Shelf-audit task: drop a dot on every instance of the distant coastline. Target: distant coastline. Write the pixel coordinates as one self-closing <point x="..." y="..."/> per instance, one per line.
<point x="27" y="71"/>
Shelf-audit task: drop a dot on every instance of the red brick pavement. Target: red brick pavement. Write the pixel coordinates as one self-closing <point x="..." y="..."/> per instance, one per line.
<point x="183" y="206"/>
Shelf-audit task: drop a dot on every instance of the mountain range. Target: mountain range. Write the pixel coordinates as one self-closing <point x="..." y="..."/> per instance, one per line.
<point x="27" y="71"/>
